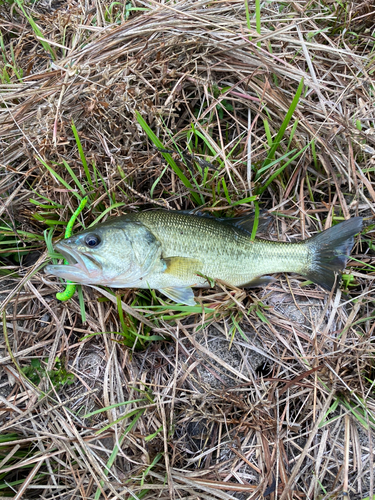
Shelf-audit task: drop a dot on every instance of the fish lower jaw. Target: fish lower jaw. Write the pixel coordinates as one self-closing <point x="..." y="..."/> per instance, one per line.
<point x="74" y="273"/>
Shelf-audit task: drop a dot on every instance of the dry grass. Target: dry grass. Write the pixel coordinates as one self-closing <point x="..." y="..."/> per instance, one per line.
<point x="272" y="394"/>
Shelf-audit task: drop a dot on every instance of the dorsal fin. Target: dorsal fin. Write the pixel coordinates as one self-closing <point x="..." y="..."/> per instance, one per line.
<point x="245" y="222"/>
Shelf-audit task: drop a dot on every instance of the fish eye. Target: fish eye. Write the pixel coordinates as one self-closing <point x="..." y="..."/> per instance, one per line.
<point x="92" y="240"/>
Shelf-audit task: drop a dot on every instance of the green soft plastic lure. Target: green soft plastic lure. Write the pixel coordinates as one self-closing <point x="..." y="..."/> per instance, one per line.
<point x="71" y="287"/>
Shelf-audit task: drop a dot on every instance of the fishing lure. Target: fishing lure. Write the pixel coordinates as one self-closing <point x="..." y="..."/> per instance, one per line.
<point x="71" y="287"/>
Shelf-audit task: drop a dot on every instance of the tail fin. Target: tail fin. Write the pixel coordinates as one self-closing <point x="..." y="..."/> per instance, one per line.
<point x="329" y="252"/>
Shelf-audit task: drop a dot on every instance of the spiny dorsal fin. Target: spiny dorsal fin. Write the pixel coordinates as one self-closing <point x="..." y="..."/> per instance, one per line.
<point x="246" y="222"/>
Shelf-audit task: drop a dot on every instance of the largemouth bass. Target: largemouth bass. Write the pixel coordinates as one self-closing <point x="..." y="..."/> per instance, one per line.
<point x="175" y="251"/>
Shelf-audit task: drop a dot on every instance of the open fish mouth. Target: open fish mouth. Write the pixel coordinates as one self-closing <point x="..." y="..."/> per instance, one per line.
<point x="81" y="268"/>
<point x="69" y="256"/>
<point x="82" y="260"/>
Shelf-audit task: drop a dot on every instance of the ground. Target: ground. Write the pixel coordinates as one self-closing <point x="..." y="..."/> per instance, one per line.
<point x="229" y="107"/>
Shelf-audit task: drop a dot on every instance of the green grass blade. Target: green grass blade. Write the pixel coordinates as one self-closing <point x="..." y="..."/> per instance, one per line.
<point x="37" y="31"/>
<point x="152" y="436"/>
<point x="115" y="405"/>
<point x="284" y="125"/>
<point x="257" y="18"/>
<point x="274" y="162"/>
<point x="295" y="124"/>
<point x="81" y="300"/>
<point x="256" y="221"/>
<point x="249" y="199"/>
<point x="74" y="177"/>
<point x="108" y="209"/>
<point x="226" y="191"/>
<point x="154" y="462"/>
<point x="247" y="16"/>
<point x="115" y="451"/>
<point x="82" y="155"/>
<point x="59" y="178"/>
<point x="157" y="142"/>
<point x="278" y="172"/>
<point x="268" y="132"/>
<point x="157" y="182"/>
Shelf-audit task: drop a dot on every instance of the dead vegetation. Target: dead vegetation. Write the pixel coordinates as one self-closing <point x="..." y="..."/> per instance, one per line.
<point x="271" y="393"/>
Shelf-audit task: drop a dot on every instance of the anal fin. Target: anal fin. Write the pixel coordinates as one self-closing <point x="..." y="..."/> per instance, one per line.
<point x="179" y="294"/>
<point x="261" y="281"/>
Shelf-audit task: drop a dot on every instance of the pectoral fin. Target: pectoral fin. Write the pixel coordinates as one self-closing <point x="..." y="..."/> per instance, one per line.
<point x="261" y="281"/>
<point x="181" y="295"/>
<point x="182" y="266"/>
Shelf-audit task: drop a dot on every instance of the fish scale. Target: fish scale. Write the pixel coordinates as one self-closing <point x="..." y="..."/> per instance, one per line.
<point x="225" y="251"/>
<point x="173" y="251"/>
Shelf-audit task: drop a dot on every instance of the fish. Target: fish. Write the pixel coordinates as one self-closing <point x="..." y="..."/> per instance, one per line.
<point x="174" y="252"/>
